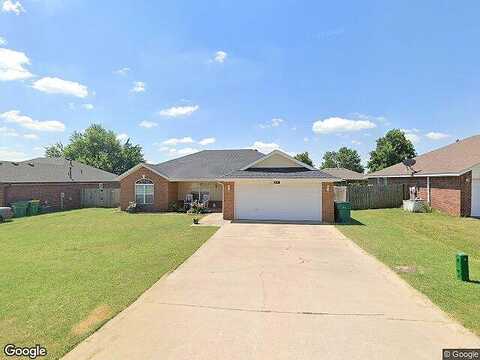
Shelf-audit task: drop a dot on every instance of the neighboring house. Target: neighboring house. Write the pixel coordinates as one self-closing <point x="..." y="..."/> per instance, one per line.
<point x="56" y="182"/>
<point x="448" y="178"/>
<point x="244" y="184"/>
<point x="347" y="176"/>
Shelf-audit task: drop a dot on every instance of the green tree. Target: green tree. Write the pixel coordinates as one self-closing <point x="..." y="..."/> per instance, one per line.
<point x="54" y="151"/>
<point x="343" y="158"/>
<point x="100" y="148"/>
<point x="391" y="149"/>
<point x="305" y="158"/>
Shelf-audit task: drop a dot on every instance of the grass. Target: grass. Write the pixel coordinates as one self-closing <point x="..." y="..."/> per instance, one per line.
<point x="427" y="242"/>
<point x="63" y="275"/>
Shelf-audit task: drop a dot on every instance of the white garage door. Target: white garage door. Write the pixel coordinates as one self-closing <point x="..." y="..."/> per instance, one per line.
<point x="284" y="201"/>
<point x="476" y="197"/>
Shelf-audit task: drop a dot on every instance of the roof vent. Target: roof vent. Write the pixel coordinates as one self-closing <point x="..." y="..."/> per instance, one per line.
<point x="31" y="164"/>
<point x="458" y="140"/>
<point x="15" y="163"/>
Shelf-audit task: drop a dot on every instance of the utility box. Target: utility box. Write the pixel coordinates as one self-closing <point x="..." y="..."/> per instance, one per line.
<point x="462" y="267"/>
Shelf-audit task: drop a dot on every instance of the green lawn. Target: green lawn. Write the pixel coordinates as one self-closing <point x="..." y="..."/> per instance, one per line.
<point x="63" y="275"/>
<point x="429" y="243"/>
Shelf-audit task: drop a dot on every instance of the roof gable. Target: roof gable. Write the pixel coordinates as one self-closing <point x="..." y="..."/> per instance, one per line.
<point x="277" y="159"/>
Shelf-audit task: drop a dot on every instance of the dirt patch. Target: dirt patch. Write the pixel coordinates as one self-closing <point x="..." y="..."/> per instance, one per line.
<point x="98" y="315"/>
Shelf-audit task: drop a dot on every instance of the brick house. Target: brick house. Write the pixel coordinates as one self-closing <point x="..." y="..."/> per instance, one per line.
<point x="447" y="178"/>
<point x="243" y="184"/>
<point x="56" y="182"/>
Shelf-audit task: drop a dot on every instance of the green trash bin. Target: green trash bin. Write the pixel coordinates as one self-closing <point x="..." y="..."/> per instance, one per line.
<point x="462" y="267"/>
<point x="33" y="207"/>
<point x="342" y="212"/>
<point x="20" y="208"/>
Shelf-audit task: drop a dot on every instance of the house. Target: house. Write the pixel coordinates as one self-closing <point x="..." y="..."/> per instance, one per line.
<point x="56" y="182"/>
<point x="244" y="184"/>
<point x="347" y="176"/>
<point x="447" y="178"/>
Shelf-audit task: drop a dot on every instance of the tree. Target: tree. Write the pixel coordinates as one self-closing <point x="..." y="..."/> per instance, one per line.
<point x="391" y="149"/>
<point x="305" y="158"/>
<point x="343" y="158"/>
<point x="54" y="151"/>
<point x="100" y="148"/>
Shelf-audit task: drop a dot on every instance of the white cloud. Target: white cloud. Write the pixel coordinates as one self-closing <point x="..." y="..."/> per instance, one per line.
<point x="176" y="141"/>
<point x="306" y="139"/>
<point x="147" y="124"/>
<point x="14" y="117"/>
<point x="340" y="125"/>
<point x="380" y="119"/>
<point x="177" y="111"/>
<point x="30" y="136"/>
<point x="88" y="106"/>
<point x="207" y="141"/>
<point x="437" y="135"/>
<point x="12" y="65"/>
<point x="3" y="41"/>
<point x="138" y="87"/>
<point x="265" y="147"/>
<point x="122" y="137"/>
<point x="54" y="85"/>
<point x="220" y="56"/>
<point x="275" y="122"/>
<point x="123" y="71"/>
<point x="179" y="152"/>
<point x="10" y="6"/>
<point x="356" y="142"/>
<point x="412" y="135"/>
<point x="11" y="155"/>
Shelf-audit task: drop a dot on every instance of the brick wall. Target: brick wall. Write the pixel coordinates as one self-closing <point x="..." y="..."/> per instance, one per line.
<point x="2" y="195"/>
<point x="328" y="209"/>
<point x="229" y="200"/>
<point x="466" y="197"/>
<point x="450" y="194"/>
<point x="49" y="194"/>
<point x="163" y="189"/>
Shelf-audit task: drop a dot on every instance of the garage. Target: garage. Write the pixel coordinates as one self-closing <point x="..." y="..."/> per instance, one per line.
<point x="278" y="200"/>
<point x="476" y="197"/>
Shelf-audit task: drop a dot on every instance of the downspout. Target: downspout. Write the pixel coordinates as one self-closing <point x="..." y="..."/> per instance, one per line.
<point x="223" y="195"/>
<point x="428" y="190"/>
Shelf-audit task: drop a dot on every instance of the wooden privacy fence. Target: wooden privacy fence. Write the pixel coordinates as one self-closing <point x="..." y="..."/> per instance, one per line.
<point x="375" y="196"/>
<point x="108" y="198"/>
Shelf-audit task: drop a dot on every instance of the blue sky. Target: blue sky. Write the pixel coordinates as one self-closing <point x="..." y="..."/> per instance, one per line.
<point x="179" y="76"/>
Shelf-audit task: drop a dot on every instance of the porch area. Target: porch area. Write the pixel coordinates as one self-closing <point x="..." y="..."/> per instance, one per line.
<point x="209" y="193"/>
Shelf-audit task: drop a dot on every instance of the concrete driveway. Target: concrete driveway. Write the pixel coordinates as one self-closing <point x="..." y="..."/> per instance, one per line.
<point x="276" y="291"/>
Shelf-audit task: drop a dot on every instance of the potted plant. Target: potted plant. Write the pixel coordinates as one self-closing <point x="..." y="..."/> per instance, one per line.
<point x="195" y="220"/>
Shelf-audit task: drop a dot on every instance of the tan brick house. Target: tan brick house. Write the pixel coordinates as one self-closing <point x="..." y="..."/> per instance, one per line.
<point x="56" y="182"/>
<point x="447" y="178"/>
<point x="243" y="184"/>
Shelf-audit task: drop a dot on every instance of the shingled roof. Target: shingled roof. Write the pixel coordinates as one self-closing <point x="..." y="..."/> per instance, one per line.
<point x="206" y="164"/>
<point x="453" y="159"/>
<point x="344" y="174"/>
<point x="51" y="170"/>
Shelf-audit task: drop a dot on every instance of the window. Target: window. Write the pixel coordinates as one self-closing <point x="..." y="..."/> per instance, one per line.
<point x="144" y="189"/>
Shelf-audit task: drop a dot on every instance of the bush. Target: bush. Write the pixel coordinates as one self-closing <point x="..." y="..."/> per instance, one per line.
<point x="173" y="206"/>
<point x="132" y="207"/>
<point x="197" y="208"/>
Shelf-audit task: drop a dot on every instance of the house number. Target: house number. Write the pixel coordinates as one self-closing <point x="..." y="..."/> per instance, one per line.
<point x="276" y="182"/>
